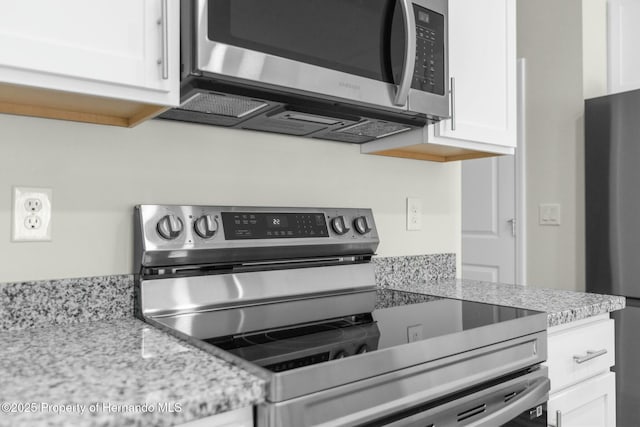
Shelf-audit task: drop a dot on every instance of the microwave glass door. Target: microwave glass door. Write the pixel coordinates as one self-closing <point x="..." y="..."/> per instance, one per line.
<point x="359" y="37"/>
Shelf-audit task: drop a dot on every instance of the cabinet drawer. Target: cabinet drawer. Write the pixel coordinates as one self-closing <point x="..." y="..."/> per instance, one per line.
<point x="575" y="354"/>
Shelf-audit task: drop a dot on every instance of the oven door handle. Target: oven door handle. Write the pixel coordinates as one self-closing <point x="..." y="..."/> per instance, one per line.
<point x="402" y="93"/>
<point x="533" y="396"/>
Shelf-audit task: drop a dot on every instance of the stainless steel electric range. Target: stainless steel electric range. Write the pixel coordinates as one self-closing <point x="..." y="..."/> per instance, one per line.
<point x="290" y="295"/>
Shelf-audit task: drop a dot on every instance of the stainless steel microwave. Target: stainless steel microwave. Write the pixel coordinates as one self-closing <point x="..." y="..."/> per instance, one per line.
<point x="346" y="70"/>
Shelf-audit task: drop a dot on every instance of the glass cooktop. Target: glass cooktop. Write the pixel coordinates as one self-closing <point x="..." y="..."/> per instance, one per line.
<point x="399" y="318"/>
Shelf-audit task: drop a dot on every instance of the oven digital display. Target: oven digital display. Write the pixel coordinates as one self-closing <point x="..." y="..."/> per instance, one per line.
<point x="259" y="225"/>
<point x="277" y="221"/>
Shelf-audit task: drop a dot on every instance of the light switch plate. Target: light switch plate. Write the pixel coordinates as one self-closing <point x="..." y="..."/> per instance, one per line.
<point x="31" y="214"/>
<point x="549" y="214"/>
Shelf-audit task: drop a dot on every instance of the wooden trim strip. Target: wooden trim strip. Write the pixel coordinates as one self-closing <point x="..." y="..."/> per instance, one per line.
<point x="54" y="113"/>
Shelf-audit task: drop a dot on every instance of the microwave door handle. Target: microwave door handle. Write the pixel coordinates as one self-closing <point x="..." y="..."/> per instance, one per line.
<point x="409" y="65"/>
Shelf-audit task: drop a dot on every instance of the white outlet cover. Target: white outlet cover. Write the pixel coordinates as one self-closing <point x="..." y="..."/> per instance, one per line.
<point x="414" y="214"/>
<point x="23" y="216"/>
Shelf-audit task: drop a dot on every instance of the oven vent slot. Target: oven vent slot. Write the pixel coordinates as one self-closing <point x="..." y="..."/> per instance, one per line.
<point x="508" y="397"/>
<point x="472" y="412"/>
<point x="222" y="105"/>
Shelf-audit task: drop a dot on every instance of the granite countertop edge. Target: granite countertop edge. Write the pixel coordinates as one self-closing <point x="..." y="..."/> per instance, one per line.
<point x="202" y="383"/>
<point x="562" y="306"/>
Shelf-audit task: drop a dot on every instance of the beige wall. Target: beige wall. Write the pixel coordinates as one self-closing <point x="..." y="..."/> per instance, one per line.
<point x="550" y="38"/>
<point x="98" y="173"/>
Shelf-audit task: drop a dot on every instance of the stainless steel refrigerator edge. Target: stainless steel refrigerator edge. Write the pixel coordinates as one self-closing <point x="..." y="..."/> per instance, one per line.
<point x="612" y="206"/>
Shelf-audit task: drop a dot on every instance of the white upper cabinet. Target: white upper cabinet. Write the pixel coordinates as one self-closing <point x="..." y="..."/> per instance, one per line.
<point x="87" y="51"/>
<point x="624" y="55"/>
<point x="482" y="62"/>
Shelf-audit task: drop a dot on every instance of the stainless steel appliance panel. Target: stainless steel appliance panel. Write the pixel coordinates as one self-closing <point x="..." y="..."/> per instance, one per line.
<point x="219" y="59"/>
<point x="368" y="401"/>
<point x="612" y="175"/>
<point x="290" y="295"/>
<point x="183" y="295"/>
<point x="626" y="368"/>
<point x="188" y="247"/>
<point x="291" y="384"/>
<point x="257" y="317"/>
<point x="612" y="204"/>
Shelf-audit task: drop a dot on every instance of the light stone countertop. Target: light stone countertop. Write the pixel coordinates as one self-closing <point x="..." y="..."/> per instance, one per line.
<point x="561" y="306"/>
<point x="78" y="344"/>
<point x="114" y="366"/>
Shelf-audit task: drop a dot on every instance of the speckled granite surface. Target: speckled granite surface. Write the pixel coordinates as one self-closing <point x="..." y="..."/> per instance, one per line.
<point x="109" y="364"/>
<point x="104" y="356"/>
<point x="561" y="306"/>
<point x="394" y="271"/>
<point x="64" y="302"/>
<point x="70" y="301"/>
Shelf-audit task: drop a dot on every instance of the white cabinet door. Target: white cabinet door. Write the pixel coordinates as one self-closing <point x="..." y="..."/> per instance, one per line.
<point x="482" y="60"/>
<point x="624" y="55"/>
<point x="113" y="48"/>
<point x="590" y="403"/>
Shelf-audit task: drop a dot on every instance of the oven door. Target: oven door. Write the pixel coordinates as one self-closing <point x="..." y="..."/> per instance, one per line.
<point x="516" y="400"/>
<point x="520" y="402"/>
<point x="391" y="54"/>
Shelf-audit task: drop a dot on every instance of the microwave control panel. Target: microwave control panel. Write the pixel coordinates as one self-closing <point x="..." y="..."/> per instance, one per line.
<point x="428" y="75"/>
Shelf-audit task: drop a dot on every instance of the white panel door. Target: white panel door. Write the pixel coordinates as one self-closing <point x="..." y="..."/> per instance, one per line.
<point x="114" y="41"/>
<point x="488" y="215"/>
<point x="482" y="60"/>
<point x="624" y="51"/>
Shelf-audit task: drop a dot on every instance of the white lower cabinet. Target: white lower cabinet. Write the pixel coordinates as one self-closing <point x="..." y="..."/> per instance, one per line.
<point x="242" y="417"/>
<point x="589" y="403"/>
<point x="580" y="355"/>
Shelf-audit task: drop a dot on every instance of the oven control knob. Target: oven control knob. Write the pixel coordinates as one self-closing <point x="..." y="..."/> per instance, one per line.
<point x="361" y="224"/>
<point x="169" y="227"/>
<point x="340" y="355"/>
<point x="206" y="226"/>
<point x="339" y="225"/>
<point x="362" y="349"/>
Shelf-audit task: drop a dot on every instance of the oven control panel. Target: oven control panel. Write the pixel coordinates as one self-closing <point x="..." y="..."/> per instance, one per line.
<point x="173" y="234"/>
<point x="274" y="225"/>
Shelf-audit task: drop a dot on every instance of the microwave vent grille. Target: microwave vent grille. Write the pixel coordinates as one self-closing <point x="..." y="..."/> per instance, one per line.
<point x="374" y="129"/>
<point x="222" y="105"/>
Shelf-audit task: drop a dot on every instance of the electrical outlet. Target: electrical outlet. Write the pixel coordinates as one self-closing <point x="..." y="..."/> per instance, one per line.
<point x="414" y="213"/>
<point x="31" y="214"/>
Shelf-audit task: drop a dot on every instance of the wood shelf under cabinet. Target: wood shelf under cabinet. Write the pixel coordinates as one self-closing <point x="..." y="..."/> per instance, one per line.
<point x="415" y="144"/>
<point x="53" y="104"/>
<point x="434" y="153"/>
